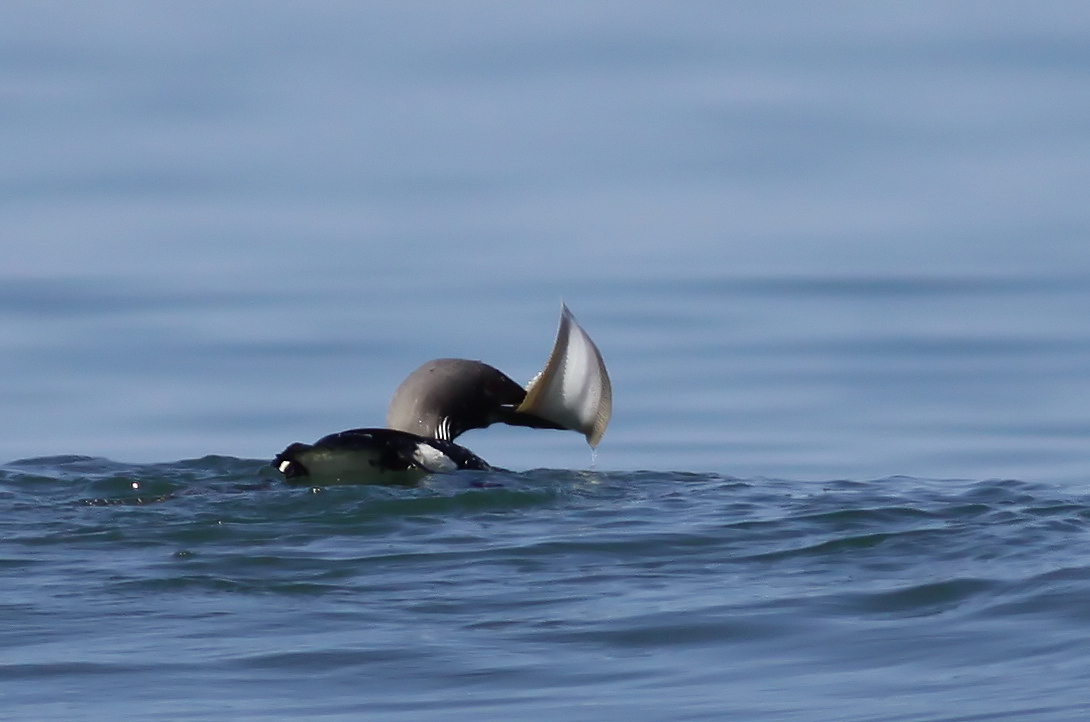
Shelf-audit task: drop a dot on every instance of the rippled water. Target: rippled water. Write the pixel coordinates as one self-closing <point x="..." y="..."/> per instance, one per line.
<point x="206" y="588"/>
<point x="836" y="257"/>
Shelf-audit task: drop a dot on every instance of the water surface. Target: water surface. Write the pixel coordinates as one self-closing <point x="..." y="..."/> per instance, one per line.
<point x="836" y="259"/>
<point x="205" y="588"/>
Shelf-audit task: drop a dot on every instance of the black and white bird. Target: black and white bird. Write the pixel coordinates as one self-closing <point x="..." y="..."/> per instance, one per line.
<point x="445" y="398"/>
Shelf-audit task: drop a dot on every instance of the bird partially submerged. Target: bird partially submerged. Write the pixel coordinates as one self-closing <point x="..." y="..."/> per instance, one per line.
<point x="445" y="398"/>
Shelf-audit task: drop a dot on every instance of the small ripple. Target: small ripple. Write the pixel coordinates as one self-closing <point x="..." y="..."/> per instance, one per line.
<point x="1057" y="593"/>
<point x="60" y="670"/>
<point x="916" y="600"/>
<point x="705" y="627"/>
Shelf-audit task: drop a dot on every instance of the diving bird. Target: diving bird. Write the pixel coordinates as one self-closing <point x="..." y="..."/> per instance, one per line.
<point x="446" y="397"/>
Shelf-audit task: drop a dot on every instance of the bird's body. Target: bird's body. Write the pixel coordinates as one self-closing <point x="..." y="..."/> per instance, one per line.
<point x="443" y="399"/>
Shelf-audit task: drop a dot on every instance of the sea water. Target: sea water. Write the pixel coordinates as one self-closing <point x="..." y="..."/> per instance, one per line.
<point x="208" y="589"/>
<point x="835" y="257"/>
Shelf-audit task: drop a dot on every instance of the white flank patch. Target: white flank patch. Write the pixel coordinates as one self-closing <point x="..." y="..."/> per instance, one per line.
<point x="434" y="460"/>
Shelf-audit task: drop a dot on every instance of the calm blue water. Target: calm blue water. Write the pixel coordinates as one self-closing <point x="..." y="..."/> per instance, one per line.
<point x="836" y="256"/>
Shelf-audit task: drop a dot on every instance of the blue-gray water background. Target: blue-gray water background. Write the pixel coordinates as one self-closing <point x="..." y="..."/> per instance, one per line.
<point x="836" y="255"/>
